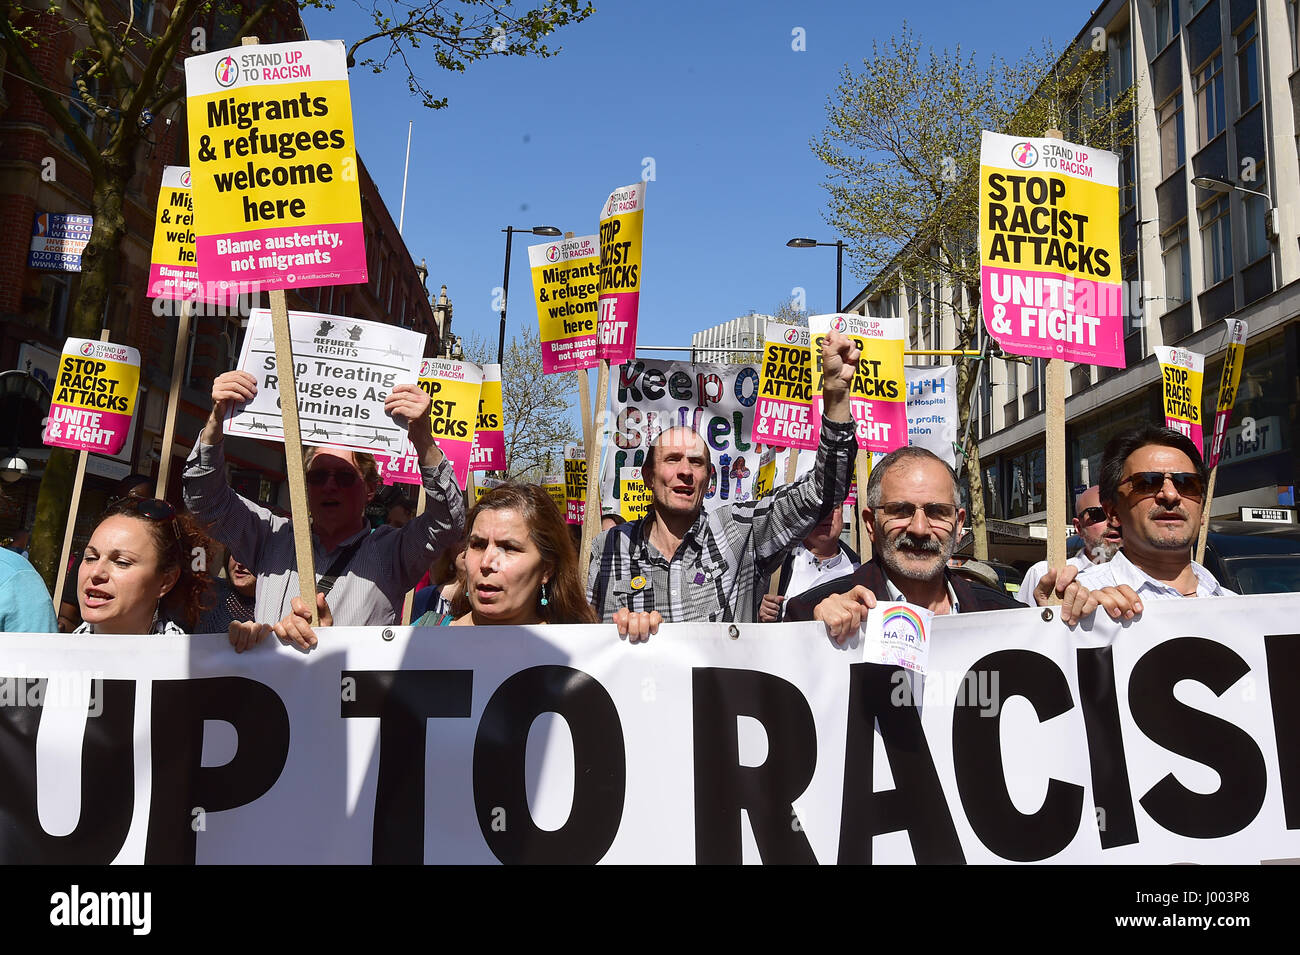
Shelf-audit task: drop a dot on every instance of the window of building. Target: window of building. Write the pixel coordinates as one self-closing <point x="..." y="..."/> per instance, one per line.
<point x="1248" y="66"/>
<point x="1173" y="151"/>
<point x="82" y="114"/>
<point x="1210" y="111"/>
<point x="1013" y="386"/>
<point x="1167" y="23"/>
<point x="143" y="10"/>
<point x="1216" y="240"/>
<point x="54" y="290"/>
<point x="1195" y="7"/>
<point x="1255" y="209"/>
<point x="1293" y="21"/>
<point x="1127" y="178"/>
<point x="1178" y="266"/>
<point x="1121" y="62"/>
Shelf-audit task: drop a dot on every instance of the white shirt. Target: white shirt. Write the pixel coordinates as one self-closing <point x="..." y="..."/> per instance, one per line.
<point x="1035" y="573"/>
<point x="807" y="571"/>
<point x="896" y="594"/>
<point x="1121" y="570"/>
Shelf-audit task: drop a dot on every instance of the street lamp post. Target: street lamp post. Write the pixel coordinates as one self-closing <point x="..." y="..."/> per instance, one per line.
<point x="1222" y="185"/>
<point x="547" y="230"/>
<point x="839" y="264"/>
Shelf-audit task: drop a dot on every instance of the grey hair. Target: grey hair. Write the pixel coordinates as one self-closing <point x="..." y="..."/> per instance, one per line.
<point x="909" y="455"/>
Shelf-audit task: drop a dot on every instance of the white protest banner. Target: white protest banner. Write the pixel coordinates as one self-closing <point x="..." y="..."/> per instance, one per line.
<point x="932" y="412"/>
<point x="715" y="401"/>
<point x="345" y="368"/>
<point x="1173" y="738"/>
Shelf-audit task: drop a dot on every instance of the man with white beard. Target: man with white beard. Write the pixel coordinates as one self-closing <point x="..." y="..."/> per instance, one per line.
<point x="915" y="519"/>
<point x="1101" y="540"/>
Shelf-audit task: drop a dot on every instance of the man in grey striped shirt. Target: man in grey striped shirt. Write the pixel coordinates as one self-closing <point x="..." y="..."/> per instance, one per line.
<point x="379" y="567"/>
<point x="682" y="563"/>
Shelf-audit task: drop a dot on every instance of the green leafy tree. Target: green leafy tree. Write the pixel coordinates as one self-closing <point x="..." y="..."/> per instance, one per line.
<point x="126" y="72"/>
<point x="538" y="408"/>
<point x="901" y="146"/>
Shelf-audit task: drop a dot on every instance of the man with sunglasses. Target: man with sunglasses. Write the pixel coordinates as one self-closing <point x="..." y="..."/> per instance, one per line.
<point x="1153" y="483"/>
<point x="365" y="574"/>
<point x="1101" y="539"/>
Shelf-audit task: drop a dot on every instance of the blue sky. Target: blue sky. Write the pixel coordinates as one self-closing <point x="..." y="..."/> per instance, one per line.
<point x="713" y="92"/>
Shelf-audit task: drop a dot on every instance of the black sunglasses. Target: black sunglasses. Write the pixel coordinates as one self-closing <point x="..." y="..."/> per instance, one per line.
<point x="1146" y="483"/>
<point x="1092" y="515"/>
<point x="342" y="477"/>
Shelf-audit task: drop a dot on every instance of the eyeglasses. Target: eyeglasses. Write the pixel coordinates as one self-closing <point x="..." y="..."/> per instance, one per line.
<point x="1147" y="483"/>
<point x="1092" y="515"/>
<point x="942" y="514"/>
<point x="342" y="477"/>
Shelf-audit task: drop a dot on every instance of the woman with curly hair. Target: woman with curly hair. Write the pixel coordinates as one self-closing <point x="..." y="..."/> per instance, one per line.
<point x="137" y="573"/>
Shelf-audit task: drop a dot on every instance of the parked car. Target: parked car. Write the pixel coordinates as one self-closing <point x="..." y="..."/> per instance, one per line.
<point x="1008" y="576"/>
<point x="1254" y="558"/>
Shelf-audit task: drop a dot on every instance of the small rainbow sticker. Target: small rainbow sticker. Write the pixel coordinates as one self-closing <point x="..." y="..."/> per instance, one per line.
<point x="903" y="623"/>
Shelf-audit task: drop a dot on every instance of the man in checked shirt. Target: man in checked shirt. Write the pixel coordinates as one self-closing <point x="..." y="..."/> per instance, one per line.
<point x="682" y="563"/>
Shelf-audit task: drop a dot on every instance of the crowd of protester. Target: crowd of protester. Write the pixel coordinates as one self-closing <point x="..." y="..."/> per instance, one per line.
<point x="225" y="564"/>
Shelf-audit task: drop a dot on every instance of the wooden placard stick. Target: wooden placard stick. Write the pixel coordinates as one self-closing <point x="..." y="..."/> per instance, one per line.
<point x="791" y="466"/>
<point x="1055" y="437"/>
<point x="863" y="472"/>
<point x="1205" y="515"/>
<point x="293" y="443"/>
<point x="173" y="398"/>
<point x="591" y="515"/>
<point x="419" y="509"/>
<point x="71" y="526"/>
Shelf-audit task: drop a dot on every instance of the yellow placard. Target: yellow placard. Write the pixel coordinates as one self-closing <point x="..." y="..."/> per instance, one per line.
<point x="635" y="498"/>
<point x="575" y="483"/>
<point x="553" y="484"/>
<point x="1049" y="222"/>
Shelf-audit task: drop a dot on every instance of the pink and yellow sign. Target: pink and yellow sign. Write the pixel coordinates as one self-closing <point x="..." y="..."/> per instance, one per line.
<point x="274" y="166"/>
<point x="878" y="396"/>
<point x="93" y="397"/>
<point x="1230" y="378"/>
<point x="575" y="483"/>
<point x="173" y="266"/>
<point x="621" y="219"/>
<point x="785" y="415"/>
<point x="489" y="451"/>
<point x="1049" y="249"/>
<point x="454" y="387"/>
<point x="1183" y="373"/>
<point x="566" y="284"/>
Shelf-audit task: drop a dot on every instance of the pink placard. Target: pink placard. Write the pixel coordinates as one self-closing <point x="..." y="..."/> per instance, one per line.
<point x="786" y="424"/>
<point x="289" y="257"/>
<point x="616" y="329"/>
<point x="80" y="429"/>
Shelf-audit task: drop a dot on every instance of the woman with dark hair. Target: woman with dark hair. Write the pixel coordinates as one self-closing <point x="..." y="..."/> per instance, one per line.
<point x="520" y="564"/>
<point x="137" y="574"/>
<point x="520" y="568"/>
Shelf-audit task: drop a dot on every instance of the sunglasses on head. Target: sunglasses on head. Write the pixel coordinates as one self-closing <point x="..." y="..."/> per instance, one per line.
<point x="150" y="508"/>
<point x="1092" y="515"/>
<point x="342" y="476"/>
<point x="1145" y="483"/>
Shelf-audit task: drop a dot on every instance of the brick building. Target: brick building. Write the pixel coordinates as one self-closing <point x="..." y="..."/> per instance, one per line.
<point x="41" y="171"/>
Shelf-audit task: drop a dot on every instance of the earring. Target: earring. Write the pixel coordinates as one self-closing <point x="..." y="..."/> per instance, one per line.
<point x="545" y="600"/>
